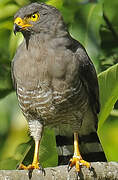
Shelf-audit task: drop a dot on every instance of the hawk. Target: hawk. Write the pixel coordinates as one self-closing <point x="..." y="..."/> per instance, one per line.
<point x="56" y="85"/>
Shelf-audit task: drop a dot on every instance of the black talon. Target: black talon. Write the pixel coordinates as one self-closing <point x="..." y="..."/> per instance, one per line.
<point x="30" y="173"/>
<point x="69" y="167"/>
<point x="42" y="170"/>
<point x="78" y="173"/>
<point x="91" y="168"/>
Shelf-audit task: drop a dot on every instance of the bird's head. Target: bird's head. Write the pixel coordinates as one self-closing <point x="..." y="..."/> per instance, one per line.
<point x="36" y="18"/>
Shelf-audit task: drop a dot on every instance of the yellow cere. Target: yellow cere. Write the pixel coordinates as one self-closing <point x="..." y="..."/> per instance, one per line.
<point x="22" y="22"/>
<point x="25" y="22"/>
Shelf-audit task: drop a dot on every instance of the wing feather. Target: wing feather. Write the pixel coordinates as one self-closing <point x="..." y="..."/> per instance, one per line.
<point x="88" y="77"/>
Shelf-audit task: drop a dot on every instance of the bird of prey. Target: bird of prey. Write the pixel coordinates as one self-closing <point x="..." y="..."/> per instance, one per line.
<point x="56" y="85"/>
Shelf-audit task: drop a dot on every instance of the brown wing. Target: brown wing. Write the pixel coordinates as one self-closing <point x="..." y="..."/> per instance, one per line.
<point x="88" y="77"/>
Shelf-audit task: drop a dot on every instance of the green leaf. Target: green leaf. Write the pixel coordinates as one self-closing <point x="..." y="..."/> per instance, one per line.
<point x="14" y="42"/>
<point x="86" y="26"/>
<point x="109" y="29"/>
<point x="108" y="82"/>
<point x="114" y="112"/>
<point x="48" y="152"/>
<point x="110" y="10"/>
<point x="56" y="3"/>
<point x="22" y="2"/>
<point x="9" y="163"/>
<point x="4" y="2"/>
<point x="8" y="10"/>
<point x="109" y="137"/>
<point x="6" y="25"/>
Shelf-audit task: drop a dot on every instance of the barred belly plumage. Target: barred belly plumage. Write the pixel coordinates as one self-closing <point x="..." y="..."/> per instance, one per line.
<point x="37" y="104"/>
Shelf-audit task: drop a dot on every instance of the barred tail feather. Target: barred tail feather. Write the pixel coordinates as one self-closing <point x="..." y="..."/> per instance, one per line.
<point x="64" y="148"/>
<point x="90" y="148"/>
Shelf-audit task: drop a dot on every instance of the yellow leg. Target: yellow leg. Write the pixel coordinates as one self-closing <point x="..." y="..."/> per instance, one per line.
<point x="35" y="163"/>
<point x="77" y="160"/>
<point x="36" y="155"/>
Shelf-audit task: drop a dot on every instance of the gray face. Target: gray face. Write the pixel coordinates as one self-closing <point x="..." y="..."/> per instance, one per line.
<point x="48" y="18"/>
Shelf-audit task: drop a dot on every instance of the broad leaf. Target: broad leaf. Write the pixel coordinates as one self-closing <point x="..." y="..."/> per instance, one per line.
<point x="109" y="30"/>
<point x="86" y="27"/>
<point x="109" y="137"/>
<point x="110" y="10"/>
<point x="108" y="81"/>
<point x="14" y="42"/>
<point x="55" y="3"/>
<point x="8" y="10"/>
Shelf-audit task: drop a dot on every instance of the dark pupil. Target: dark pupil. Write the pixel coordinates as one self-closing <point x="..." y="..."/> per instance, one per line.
<point x="33" y="16"/>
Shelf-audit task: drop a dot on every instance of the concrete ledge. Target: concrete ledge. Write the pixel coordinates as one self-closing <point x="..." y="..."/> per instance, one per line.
<point x="100" y="170"/>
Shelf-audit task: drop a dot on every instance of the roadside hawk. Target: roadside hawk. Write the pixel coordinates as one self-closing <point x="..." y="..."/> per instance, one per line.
<point x="56" y="86"/>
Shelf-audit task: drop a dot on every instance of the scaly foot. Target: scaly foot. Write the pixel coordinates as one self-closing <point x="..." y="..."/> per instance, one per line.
<point x="78" y="162"/>
<point x="30" y="167"/>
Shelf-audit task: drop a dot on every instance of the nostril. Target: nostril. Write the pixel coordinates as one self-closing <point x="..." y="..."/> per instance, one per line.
<point x="18" y="21"/>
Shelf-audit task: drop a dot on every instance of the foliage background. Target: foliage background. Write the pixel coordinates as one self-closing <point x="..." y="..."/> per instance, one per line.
<point x="95" y="24"/>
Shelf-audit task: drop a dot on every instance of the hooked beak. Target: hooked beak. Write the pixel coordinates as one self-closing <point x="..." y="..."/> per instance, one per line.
<point x="20" y="25"/>
<point x="17" y="28"/>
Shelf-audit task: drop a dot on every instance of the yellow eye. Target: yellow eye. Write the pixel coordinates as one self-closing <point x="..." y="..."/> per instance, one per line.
<point x="35" y="17"/>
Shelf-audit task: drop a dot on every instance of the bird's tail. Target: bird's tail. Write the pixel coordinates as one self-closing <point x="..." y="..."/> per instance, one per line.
<point x="89" y="144"/>
<point x="64" y="148"/>
<point x="90" y="148"/>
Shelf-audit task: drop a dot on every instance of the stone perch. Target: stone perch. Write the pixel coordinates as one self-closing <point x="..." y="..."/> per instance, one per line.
<point x="99" y="171"/>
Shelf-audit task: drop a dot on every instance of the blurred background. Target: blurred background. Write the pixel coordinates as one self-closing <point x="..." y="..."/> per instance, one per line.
<point x="95" y="24"/>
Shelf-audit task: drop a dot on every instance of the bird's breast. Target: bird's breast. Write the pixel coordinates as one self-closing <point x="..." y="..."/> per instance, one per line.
<point x="34" y="103"/>
<point x="51" y="106"/>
